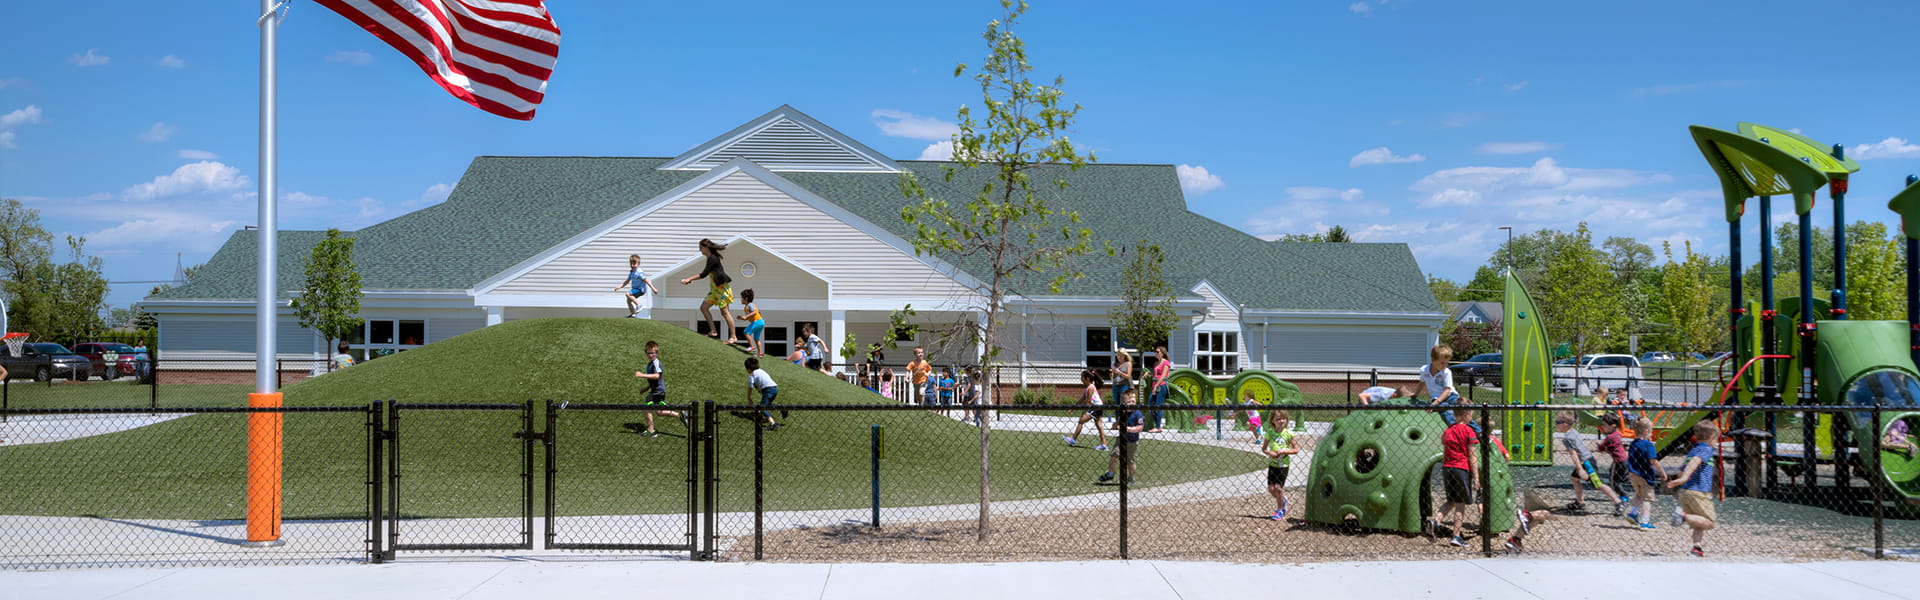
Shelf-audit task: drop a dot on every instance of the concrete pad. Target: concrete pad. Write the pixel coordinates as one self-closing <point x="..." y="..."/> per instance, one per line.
<point x="77" y="585"/>
<point x="1444" y="579"/>
<point x="438" y="580"/>
<point x="663" y="579"/>
<point x="1895" y="578"/>
<point x="1112" y="579"/>
<point x="1677" y="579"/>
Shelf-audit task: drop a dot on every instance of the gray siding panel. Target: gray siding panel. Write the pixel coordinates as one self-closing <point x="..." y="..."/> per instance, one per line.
<point x="1352" y="345"/>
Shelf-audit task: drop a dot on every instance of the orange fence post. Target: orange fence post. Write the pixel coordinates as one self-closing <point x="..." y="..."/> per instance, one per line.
<point x="263" y="471"/>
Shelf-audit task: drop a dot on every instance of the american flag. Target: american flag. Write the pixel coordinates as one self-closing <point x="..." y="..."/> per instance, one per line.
<point x="494" y="54"/>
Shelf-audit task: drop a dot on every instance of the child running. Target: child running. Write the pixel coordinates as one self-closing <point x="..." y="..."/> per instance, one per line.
<point x="1695" y="485"/>
<point x="1279" y="448"/>
<point x="758" y="381"/>
<point x="1643" y="463"/>
<point x="920" y="370"/>
<point x="946" y="385"/>
<point x="1092" y="414"/>
<point x="1614" y="446"/>
<point x="1584" y="469"/>
<point x="719" y="292"/>
<point x="1130" y="424"/>
<point x="756" y="325"/>
<point x="636" y="285"/>
<point x="1456" y="471"/>
<point x="657" y="388"/>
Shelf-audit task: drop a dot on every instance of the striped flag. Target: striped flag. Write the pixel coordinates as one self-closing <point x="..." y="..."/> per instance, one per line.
<point x="494" y="54"/>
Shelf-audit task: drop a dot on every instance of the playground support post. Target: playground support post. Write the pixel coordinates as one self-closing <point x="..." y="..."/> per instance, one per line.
<point x="1879" y="518"/>
<point x="1837" y="189"/>
<point x="1770" y="339"/>
<point x="1809" y="450"/>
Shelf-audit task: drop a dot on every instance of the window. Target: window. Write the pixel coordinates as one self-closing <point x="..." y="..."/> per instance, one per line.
<point x="1099" y="347"/>
<point x="382" y="337"/>
<point x="776" y="341"/>
<point x="1216" y="351"/>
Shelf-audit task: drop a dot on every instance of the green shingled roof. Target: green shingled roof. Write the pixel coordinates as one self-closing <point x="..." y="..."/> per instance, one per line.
<point x="508" y="209"/>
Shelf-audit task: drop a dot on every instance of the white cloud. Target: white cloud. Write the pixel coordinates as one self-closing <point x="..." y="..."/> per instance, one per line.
<point x="1451" y="197"/>
<point x="171" y="231"/>
<point x="1381" y="156"/>
<point x="159" y="132"/>
<point x="1195" y="180"/>
<point x="12" y="81"/>
<point x="90" y="59"/>
<point x="352" y="57"/>
<point x="1361" y="8"/>
<point x="6" y="140"/>
<point x="196" y="155"/>
<point x="1545" y="175"/>
<point x="172" y="62"/>
<point x="9" y="121"/>
<point x="1891" y="147"/>
<point x="1688" y="88"/>
<point x="1517" y="147"/>
<point x="1513" y="87"/>
<point x="1325" y="193"/>
<point x="1461" y="119"/>
<point x="195" y="178"/>
<point x="436" y="194"/>
<point x="941" y="150"/>
<point x="894" y="123"/>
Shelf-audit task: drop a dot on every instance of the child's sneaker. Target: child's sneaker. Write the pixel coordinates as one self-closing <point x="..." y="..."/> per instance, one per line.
<point x="1576" y="507"/>
<point x="1131" y="481"/>
<point x="1633" y="514"/>
<point x="1696" y="551"/>
<point x="1514" y="546"/>
<point x="1619" y="509"/>
<point x="1647" y="527"/>
<point x="1102" y="447"/>
<point x="1068" y="439"/>
<point x="1279" y="515"/>
<point x="649" y="433"/>
<point x="1679" y="517"/>
<point x="1104" y="477"/>
<point x="1456" y="541"/>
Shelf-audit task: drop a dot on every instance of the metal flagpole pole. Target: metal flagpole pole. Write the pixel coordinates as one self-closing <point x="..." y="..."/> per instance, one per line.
<point x="263" y="428"/>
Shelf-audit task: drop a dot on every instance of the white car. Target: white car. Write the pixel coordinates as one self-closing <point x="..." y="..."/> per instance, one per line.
<point x="1616" y="371"/>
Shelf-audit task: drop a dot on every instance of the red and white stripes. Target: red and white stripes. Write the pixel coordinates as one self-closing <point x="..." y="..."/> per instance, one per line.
<point x="494" y="54"/>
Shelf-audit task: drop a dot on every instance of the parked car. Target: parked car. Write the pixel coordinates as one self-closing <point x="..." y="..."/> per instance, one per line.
<point x="96" y="356"/>
<point x="1482" y="369"/>
<point x="1616" y="371"/>
<point x="44" y="361"/>
<point x="1657" y="357"/>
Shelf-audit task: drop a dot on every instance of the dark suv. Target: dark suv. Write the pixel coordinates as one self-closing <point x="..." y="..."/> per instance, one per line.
<point x="44" y="361"/>
<point x="96" y="353"/>
<point x="1482" y="369"/>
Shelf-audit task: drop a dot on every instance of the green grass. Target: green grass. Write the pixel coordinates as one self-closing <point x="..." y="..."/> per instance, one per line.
<point x="467" y="463"/>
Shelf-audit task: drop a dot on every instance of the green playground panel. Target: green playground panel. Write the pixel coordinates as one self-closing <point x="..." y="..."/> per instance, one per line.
<point x="1191" y="387"/>
<point x="1391" y="490"/>
<point x="1527" y="377"/>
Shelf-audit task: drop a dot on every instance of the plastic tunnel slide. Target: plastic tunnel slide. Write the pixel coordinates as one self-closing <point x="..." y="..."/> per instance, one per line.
<point x="1371" y="471"/>
<point x="1191" y="387"/>
<point x="1527" y="378"/>
<point x="1866" y="363"/>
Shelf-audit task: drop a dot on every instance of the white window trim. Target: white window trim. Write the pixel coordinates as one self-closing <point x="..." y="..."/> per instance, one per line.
<point x="1113" y="340"/>
<point x="1195" y="354"/>
<point x="366" y="348"/>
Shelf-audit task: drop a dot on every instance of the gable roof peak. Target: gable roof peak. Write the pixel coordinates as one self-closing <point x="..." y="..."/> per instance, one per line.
<point x="785" y="139"/>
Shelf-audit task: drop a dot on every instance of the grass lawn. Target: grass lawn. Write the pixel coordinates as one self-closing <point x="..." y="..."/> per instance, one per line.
<point x="467" y="463"/>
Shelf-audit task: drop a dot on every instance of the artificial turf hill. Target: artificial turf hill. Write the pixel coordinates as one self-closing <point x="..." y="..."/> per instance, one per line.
<point x="467" y="463"/>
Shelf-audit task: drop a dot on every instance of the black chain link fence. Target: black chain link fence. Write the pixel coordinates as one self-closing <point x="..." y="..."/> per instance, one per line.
<point x="905" y="483"/>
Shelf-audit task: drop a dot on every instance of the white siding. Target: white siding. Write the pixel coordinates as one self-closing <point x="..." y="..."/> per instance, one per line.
<point x="784" y="145"/>
<point x="1221" y="315"/>
<point x="858" y="265"/>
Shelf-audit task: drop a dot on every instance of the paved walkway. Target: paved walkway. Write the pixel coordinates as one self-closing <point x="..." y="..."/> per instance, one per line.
<point x="1497" y="579"/>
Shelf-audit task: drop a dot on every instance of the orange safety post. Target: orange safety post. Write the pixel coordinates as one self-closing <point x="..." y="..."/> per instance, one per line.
<point x="263" y="471"/>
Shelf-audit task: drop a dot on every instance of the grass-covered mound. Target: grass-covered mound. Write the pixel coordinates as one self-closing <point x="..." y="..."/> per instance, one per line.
<point x="467" y="463"/>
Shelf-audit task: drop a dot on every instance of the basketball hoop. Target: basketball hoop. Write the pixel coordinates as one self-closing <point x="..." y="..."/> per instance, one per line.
<point x="15" y="341"/>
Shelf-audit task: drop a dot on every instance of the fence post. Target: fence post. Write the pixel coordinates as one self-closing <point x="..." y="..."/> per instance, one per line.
<point x="1373" y="378"/>
<point x="548" y="437"/>
<point x="376" y="480"/>
<point x="1486" y="481"/>
<point x="1126" y="460"/>
<point x="709" y="438"/>
<point x="153" y="382"/>
<point x="1879" y="519"/>
<point x="759" y="469"/>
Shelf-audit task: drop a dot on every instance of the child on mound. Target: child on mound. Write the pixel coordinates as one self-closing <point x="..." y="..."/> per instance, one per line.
<point x="758" y="381"/>
<point x="657" y="392"/>
<point x="1279" y="448"/>
<point x="756" y="326"/>
<point x="719" y="290"/>
<point x="1695" y="484"/>
<point x="636" y="285"/>
<point x="1584" y="468"/>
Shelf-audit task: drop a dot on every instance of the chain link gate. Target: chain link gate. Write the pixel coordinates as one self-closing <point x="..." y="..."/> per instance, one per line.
<point x="427" y="505"/>
<point x="592" y="502"/>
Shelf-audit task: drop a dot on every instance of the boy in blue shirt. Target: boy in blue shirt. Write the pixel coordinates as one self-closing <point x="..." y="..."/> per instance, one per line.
<point x="636" y="285"/>
<point x="1644" y="466"/>
<point x="1130" y="423"/>
<point x="760" y="382"/>
<point x="1696" y="485"/>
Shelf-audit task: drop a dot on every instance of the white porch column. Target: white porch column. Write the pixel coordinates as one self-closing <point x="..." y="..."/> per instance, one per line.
<point x="836" y="335"/>
<point x="1023" y="348"/>
<point x="495" y="315"/>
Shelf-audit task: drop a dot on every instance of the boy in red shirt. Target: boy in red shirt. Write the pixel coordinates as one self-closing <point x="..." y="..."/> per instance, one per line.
<point x="1456" y="471"/>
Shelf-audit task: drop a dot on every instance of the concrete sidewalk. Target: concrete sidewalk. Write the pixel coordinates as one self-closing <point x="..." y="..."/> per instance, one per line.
<point x="1491" y="578"/>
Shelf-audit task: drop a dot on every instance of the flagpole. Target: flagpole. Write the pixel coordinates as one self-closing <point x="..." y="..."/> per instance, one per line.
<point x="263" y="428"/>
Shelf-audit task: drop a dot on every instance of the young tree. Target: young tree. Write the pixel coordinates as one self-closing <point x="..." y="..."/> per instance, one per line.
<point x="1487" y="286"/>
<point x="1445" y="291"/>
<point x="1015" y="238"/>
<point x="1145" y="316"/>
<point x="1694" y="306"/>
<point x="1876" y="286"/>
<point x="329" y="302"/>
<point x="1335" y="234"/>
<point x="1580" y="304"/>
<point x="45" y="298"/>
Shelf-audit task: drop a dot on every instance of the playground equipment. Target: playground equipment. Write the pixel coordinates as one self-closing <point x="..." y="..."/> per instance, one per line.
<point x="1189" y="387"/>
<point x="1837" y="361"/>
<point x="1371" y="470"/>
<point x="1527" y="377"/>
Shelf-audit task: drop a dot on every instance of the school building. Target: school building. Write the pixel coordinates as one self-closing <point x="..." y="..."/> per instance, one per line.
<point x="813" y="220"/>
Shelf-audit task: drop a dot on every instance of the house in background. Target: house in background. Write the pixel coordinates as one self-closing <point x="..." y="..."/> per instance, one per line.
<point x="812" y="219"/>
<point x="1474" y="312"/>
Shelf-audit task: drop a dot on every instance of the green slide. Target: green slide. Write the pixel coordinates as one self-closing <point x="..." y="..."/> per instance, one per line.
<point x="1866" y="363"/>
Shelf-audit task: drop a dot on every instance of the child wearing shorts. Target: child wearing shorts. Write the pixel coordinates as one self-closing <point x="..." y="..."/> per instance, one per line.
<point x="1695" y="485"/>
<point x="657" y="391"/>
<point x="1584" y="468"/>
<point x="756" y="325"/>
<point x="1279" y="448"/>
<point x="636" y="285"/>
<point x="1129" y="422"/>
<point x="1644" y="466"/>
<point x="1456" y="472"/>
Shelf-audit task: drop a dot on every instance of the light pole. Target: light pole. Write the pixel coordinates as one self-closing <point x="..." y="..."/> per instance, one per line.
<point x="1509" y="246"/>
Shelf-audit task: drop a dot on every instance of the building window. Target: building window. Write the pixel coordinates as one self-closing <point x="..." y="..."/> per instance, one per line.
<point x="776" y="341"/>
<point x="1216" y="351"/>
<point x="383" y="337"/>
<point x="1099" y="347"/>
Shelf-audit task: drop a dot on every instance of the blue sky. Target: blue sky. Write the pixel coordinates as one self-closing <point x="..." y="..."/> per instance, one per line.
<point x="1420" y="121"/>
